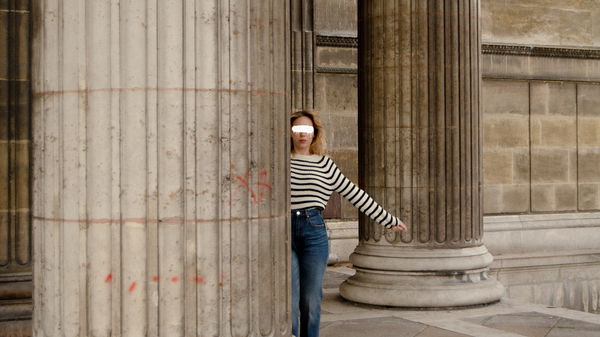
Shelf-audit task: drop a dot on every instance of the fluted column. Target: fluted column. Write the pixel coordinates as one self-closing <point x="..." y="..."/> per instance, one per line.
<point x="160" y="168"/>
<point x="419" y="130"/>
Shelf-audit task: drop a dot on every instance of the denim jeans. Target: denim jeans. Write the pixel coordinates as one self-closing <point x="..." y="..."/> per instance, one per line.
<point x="309" y="259"/>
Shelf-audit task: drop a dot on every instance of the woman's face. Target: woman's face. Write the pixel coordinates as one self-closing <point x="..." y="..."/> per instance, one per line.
<point x="302" y="140"/>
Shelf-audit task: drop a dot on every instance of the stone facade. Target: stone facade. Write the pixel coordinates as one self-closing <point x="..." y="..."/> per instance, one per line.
<point x="540" y="71"/>
<point x="540" y="130"/>
<point x="541" y="22"/>
<point x="540" y="146"/>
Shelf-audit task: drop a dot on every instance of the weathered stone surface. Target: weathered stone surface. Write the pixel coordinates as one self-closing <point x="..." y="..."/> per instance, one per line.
<point x="589" y="131"/>
<point x="550" y="165"/>
<point x="520" y="67"/>
<point x="335" y="57"/>
<point x="588" y="100"/>
<point x="345" y="133"/>
<point x="4" y="43"/>
<point x="566" y="197"/>
<point x="499" y="199"/>
<point x="560" y="132"/>
<point x="589" y="164"/>
<point x="335" y="17"/>
<point x="521" y="166"/>
<point x="492" y="199"/>
<point x="421" y="141"/>
<point x="515" y="199"/>
<point x="542" y="198"/>
<point x="589" y="197"/>
<point x="497" y="167"/>
<point x="505" y="131"/>
<point x="161" y="158"/>
<point x="550" y="98"/>
<point x="15" y="167"/>
<point x="504" y="97"/>
<point x="336" y="93"/>
<point x="540" y="22"/>
<point x="346" y="160"/>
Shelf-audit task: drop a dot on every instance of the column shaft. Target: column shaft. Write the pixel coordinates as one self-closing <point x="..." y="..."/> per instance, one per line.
<point x="420" y="155"/>
<point x="160" y="168"/>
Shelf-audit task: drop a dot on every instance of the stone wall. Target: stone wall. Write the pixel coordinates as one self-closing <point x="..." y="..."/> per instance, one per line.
<point x="336" y="94"/>
<point x="541" y="146"/>
<point x="540" y="109"/>
<point x="541" y="22"/>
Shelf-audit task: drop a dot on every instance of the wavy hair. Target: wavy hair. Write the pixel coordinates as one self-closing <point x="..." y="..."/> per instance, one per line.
<point x="318" y="145"/>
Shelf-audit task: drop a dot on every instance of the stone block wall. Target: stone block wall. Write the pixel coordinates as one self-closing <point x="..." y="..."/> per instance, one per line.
<point x="541" y="145"/>
<point x="336" y="89"/>
<point x="540" y="106"/>
<point x="541" y="148"/>
<point x="541" y="22"/>
<point x="588" y="150"/>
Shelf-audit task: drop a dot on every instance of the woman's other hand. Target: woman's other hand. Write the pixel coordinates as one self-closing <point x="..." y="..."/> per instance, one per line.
<point x="399" y="227"/>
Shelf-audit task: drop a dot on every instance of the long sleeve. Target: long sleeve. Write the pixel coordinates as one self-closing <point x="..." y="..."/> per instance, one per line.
<point x="361" y="200"/>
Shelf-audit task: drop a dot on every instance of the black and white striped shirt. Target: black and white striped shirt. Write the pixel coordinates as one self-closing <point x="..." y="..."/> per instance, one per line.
<point x="314" y="178"/>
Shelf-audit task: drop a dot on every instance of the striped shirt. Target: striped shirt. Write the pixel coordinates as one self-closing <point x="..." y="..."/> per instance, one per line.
<point x="314" y="178"/>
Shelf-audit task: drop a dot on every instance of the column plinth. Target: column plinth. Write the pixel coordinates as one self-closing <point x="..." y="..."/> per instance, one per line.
<point x="414" y="277"/>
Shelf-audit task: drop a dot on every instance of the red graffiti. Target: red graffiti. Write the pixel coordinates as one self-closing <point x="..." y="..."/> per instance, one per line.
<point x="245" y="184"/>
<point x="257" y="190"/>
<point x="132" y="286"/>
<point x="197" y="279"/>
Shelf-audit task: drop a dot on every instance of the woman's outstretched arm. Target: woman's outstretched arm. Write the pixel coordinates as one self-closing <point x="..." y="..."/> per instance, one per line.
<point x="361" y="200"/>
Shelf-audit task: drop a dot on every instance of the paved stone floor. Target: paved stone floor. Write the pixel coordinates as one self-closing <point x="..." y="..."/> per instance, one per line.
<point x="508" y="318"/>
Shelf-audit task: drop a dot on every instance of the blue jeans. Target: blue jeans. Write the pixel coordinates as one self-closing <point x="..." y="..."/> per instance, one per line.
<point x="309" y="259"/>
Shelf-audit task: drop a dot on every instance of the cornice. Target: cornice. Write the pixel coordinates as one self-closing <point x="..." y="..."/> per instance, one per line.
<point x="538" y="51"/>
<point x="336" y="41"/>
<point x="486" y="48"/>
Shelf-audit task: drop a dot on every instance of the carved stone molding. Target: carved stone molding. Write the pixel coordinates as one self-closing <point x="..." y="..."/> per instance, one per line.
<point x="537" y="51"/>
<point x="486" y="48"/>
<point x="334" y="70"/>
<point x="336" y="41"/>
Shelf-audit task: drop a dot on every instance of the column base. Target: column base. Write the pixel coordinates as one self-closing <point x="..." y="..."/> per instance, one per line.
<point x="424" y="278"/>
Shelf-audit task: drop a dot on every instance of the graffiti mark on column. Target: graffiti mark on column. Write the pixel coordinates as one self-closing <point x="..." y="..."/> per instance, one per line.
<point x="197" y="279"/>
<point x="132" y="287"/>
<point x="259" y="190"/>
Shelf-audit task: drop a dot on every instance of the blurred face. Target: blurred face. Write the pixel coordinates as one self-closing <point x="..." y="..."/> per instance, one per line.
<point x="302" y="135"/>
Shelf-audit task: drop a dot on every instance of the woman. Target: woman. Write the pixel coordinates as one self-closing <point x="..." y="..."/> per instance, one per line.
<point x="314" y="177"/>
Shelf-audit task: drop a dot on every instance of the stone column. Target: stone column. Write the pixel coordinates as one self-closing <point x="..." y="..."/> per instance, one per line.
<point x="420" y="155"/>
<point x="160" y="166"/>
<point x="15" y="153"/>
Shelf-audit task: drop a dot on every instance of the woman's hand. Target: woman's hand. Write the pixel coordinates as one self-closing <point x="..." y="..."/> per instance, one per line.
<point x="399" y="227"/>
